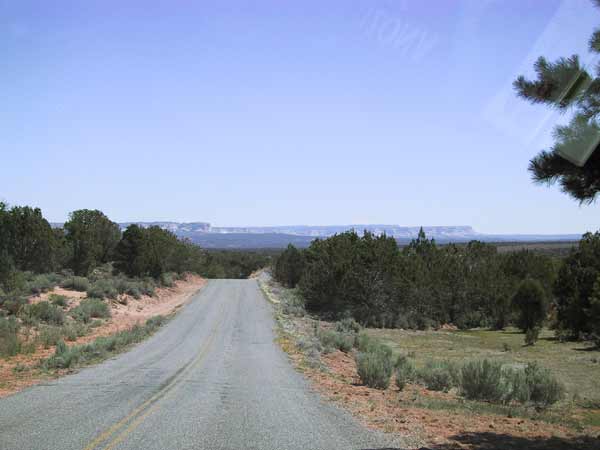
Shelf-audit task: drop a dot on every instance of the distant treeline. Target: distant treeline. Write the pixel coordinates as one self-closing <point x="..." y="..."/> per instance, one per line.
<point x="89" y="239"/>
<point x="422" y="285"/>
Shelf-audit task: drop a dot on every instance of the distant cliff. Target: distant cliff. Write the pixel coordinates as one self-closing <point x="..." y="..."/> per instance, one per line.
<point x="208" y="236"/>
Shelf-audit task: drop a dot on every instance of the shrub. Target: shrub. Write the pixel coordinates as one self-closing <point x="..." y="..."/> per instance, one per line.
<point x="80" y="284"/>
<point x="405" y="371"/>
<point x="42" y="312"/>
<point x="14" y="303"/>
<point x="167" y="279"/>
<point x="90" y="308"/>
<point x="348" y="325"/>
<point x="375" y="366"/>
<point x="363" y="342"/>
<point x="10" y="344"/>
<point x="488" y="380"/>
<point x="64" y="357"/>
<point x="482" y="380"/>
<point x="58" y="300"/>
<point x="333" y="340"/>
<point x="155" y="322"/>
<point x="439" y="375"/>
<point x="134" y="291"/>
<point x="49" y="336"/>
<point x="129" y="287"/>
<point x="40" y="283"/>
<point x="73" y="330"/>
<point x="515" y="386"/>
<point x="147" y="287"/>
<point x="103" y="288"/>
<point x="544" y="389"/>
<point x="61" y="348"/>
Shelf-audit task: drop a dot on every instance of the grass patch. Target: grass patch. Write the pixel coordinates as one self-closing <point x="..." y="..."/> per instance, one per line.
<point x="78" y="355"/>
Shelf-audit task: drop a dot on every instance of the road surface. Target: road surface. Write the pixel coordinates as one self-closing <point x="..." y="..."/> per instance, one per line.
<point x="212" y="379"/>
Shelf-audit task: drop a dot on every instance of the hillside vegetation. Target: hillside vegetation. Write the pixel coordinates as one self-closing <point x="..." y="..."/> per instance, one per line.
<point x="423" y="285"/>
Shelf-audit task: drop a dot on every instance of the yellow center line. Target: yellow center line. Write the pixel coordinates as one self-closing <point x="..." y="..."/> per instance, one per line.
<point x="141" y="412"/>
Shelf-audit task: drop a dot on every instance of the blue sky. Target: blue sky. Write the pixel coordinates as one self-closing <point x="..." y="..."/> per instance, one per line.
<point x="273" y="113"/>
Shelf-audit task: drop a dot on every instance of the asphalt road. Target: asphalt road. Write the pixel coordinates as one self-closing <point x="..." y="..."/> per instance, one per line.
<point x="212" y="379"/>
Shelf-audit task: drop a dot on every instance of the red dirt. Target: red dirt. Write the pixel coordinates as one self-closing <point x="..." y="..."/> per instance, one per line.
<point x="20" y="371"/>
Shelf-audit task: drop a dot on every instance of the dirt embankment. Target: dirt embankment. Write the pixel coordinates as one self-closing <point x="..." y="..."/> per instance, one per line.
<point x="22" y="370"/>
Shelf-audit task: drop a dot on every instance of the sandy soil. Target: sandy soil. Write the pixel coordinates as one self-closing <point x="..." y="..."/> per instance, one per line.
<point x="21" y="371"/>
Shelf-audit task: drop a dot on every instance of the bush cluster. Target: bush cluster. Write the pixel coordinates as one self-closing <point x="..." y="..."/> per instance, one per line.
<point x="42" y="312"/>
<point x="439" y="375"/>
<point x="481" y="379"/>
<point x="103" y="288"/>
<point x="374" y="363"/>
<point x="332" y="340"/>
<point x="42" y="283"/>
<point x="66" y="357"/>
<point x="90" y="308"/>
<point x="58" y="300"/>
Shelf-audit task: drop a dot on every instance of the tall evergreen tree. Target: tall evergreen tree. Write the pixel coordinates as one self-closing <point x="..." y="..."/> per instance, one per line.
<point x="567" y="85"/>
<point x="93" y="237"/>
<point x="530" y="301"/>
<point x="129" y="252"/>
<point x="32" y="241"/>
<point x="574" y="286"/>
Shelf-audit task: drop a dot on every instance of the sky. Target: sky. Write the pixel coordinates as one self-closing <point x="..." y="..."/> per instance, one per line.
<point x="279" y="113"/>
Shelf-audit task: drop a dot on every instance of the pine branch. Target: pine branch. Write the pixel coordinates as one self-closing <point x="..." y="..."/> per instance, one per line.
<point x="559" y="84"/>
<point x="581" y="183"/>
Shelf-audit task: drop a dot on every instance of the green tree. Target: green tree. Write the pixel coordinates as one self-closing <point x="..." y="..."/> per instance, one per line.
<point x="289" y="266"/>
<point x="531" y="304"/>
<point x="6" y="260"/>
<point x="159" y="248"/>
<point x="32" y="241"/>
<point x="594" y="312"/>
<point x="574" y="286"/>
<point x="93" y="238"/>
<point x="129" y="252"/>
<point x="567" y="85"/>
